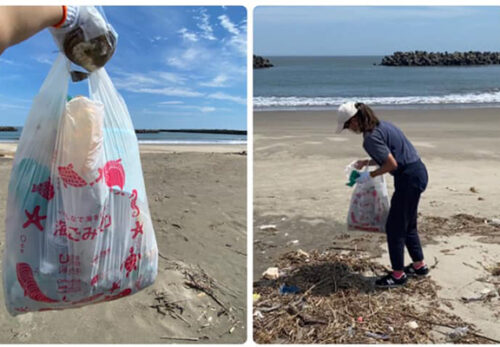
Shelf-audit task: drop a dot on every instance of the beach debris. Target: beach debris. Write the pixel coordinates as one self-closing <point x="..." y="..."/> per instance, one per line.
<point x="484" y="295"/>
<point x="473" y="190"/>
<point x="433" y="226"/>
<point x="360" y="319"/>
<point x="354" y="175"/>
<point x="494" y="221"/>
<point x="412" y="324"/>
<point x="165" y="306"/>
<point x="495" y="270"/>
<point x="198" y="279"/>
<point x="451" y="189"/>
<point x="377" y="336"/>
<point x="284" y="289"/>
<point x="271" y="273"/>
<point x="335" y="292"/>
<point x="292" y="242"/>
<point x="184" y="338"/>
<point x="256" y="297"/>
<point x="268" y="227"/>
<point x="302" y="253"/>
<point x="457" y="333"/>
<point x="257" y="314"/>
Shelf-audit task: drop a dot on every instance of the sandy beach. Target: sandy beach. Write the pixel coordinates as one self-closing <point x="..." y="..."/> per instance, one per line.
<point x="197" y="198"/>
<point x="300" y="187"/>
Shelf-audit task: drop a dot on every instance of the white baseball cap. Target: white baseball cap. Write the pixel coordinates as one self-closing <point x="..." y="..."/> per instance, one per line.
<point x="345" y="112"/>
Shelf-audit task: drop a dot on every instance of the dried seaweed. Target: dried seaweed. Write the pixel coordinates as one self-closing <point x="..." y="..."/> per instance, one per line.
<point x="339" y="304"/>
<point x="431" y="226"/>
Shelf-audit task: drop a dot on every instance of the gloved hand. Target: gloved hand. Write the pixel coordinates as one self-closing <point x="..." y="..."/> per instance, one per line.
<point x="363" y="177"/>
<point x="85" y="37"/>
<point x="361" y="163"/>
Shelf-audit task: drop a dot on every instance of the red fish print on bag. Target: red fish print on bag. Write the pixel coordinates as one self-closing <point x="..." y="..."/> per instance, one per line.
<point x="70" y="177"/>
<point x="45" y="189"/>
<point x="113" y="174"/>
<point x="130" y="263"/>
<point x="28" y="283"/>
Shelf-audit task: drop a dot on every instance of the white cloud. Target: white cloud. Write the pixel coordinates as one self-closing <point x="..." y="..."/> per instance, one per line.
<point x="203" y="109"/>
<point x="43" y="59"/>
<point x="7" y="61"/>
<point x="187" y="35"/>
<point x="224" y="96"/>
<point x="172" y="77"/>
<point x="153" y="78"/>
<point x="173" y="102"/>
<point x="218" y="81"/>
<point x="228" y="25"/>
<point x="13" y="106"/>
<point x="169" y="91"/>
<point x="238" y="40"/>
<point x="190" y="58"/>
<point x="154" y="82"/>
<point x="207" y="109"/>
<point x="158" y="38"/>
<point x="132" y="80"/>
<point x="204" y="25"/>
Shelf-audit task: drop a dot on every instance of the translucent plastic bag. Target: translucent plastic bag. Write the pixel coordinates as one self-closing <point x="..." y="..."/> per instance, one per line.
<point x="369" y="205"/>
<point x="78" y="228"/>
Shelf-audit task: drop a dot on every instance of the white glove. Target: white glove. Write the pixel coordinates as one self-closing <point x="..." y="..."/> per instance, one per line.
<point x="363" y="177"/>
<point x="85" y="37"/>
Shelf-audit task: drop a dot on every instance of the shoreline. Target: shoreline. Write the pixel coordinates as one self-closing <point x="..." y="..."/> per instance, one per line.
<point x="334" y="107"/>
<point x="8" y="148"/>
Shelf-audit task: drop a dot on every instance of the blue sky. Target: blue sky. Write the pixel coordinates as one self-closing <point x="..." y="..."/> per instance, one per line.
<point x="374" y="30"/>
<point x="181" y="67"/>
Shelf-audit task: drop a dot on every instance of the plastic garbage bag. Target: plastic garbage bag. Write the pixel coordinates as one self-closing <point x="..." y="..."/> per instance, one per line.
<point x="78" y="227"/>
<point x="369" y="205"/>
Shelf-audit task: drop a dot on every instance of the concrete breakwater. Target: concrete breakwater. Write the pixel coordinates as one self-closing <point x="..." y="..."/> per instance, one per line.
<point x="423" y="58"/>
<point x="261" y="62"/>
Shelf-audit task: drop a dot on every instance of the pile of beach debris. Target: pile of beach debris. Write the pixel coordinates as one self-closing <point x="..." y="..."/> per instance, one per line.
<point x="330" y="298"/>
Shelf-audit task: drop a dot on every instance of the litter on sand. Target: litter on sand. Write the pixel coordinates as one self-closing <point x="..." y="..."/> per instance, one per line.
<point x="337" y="290"/>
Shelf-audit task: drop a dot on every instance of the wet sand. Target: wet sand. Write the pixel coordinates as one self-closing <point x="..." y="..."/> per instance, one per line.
<point x="299" y="186"/>
<point x="197" y="198"/>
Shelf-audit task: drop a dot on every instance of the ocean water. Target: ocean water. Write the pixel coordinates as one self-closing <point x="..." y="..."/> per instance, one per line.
<point x="326" y="82"/>
<point x="159" y="138"/>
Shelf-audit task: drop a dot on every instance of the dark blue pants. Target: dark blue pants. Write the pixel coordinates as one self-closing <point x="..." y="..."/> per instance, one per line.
<point x="401" y="228"/>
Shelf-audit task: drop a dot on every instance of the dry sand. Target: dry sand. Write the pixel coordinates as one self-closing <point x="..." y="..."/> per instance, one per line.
<point x="197" y="198"/>
<point x="299" y="186"/>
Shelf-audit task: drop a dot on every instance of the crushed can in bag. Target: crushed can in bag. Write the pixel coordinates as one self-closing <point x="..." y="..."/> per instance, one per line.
<point x="78" y="227"/>
<point x="369" y="206"/>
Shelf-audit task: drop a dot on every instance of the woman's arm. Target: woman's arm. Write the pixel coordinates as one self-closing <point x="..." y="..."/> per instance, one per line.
<point x="17" y="23"/>
<point x="389" y="165"/>
<point x="361" y="163"/>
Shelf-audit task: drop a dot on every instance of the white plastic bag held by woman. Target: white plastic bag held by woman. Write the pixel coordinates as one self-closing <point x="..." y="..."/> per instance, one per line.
<point x="369" y="205"/>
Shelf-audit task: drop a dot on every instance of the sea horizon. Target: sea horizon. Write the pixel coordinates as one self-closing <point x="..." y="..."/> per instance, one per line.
<point x="325" y="82"/>
<point x="163" y="136"/>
